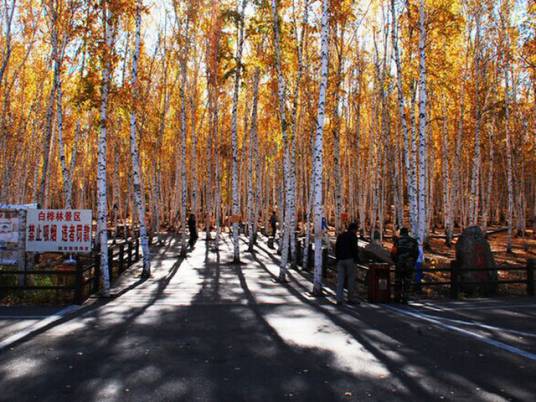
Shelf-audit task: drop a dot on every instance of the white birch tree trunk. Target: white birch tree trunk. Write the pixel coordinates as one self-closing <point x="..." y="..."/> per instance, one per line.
<point x="210" y="163"/>
<point x="509" y="167"/>
<point x="8" y="14"/>
<point x="281" y="86"/>
<point x="318" y="165"/>
<point x="139" y="193"/>
<point x="456" y="193"/>
<point x="294" y="120"/>
<point x="234" y="130"/>
<point x="447" y="208"/>
<point x="337" y="138"/>
<point x="308" y="207"/>
<point x="253" y="159"/>
<point x="410" y="174"/>
<point x="47" y="145"/>
<point x="423" y="124"/>
<point x="59" y="54"/>
<point x="182" y="156"/>
<point x="486" y="208"/>
<point x="195" y="140"/>
<point x="185" y="47"/>
<point x="102" y="206"/>
<point x="475" y="178"/>
<point x="413" y="157"/>
<point x="217" y="194"/>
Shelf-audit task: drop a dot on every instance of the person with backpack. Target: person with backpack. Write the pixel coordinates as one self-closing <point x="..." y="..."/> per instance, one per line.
<point x="347" y="254"/>
<point x="404" y="253"/>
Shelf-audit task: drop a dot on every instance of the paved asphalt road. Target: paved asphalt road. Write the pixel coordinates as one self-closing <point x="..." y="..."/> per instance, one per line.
<point x="204" y="330"/>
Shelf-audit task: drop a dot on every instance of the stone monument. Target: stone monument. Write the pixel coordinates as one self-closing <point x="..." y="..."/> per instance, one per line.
<point x="474" y="252"/>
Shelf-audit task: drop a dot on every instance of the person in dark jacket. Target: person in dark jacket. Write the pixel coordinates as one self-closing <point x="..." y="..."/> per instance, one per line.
<point x="347" y="254"/>
<point x="273" y="224"/>
<point x="405" y="252"/>
<point x="192" y="227"/>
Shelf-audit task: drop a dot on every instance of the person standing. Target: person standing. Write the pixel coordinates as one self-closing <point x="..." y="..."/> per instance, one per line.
<point x="405" y="252"/>
<point x="273" y="224"/>
<point x="347" y="254"/>
<point x="192" y="227"/>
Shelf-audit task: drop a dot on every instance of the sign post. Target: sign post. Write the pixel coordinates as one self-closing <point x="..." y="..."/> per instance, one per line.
<point x="59" y="230"/>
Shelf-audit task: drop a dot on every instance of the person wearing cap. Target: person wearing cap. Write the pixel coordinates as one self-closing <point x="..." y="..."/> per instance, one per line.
<point x="347" y="254"/>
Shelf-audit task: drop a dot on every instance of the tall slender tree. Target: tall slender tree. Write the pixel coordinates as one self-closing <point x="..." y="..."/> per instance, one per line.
<point x="102" y="205"/>
<point x="281" y="90"/>
<point x="318" y="162"/>
<point x="139" y="193"/>
<point x="423" y="128"/>
<point x="241" y="7"/>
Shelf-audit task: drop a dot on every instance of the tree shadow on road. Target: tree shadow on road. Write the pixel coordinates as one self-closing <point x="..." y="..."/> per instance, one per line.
<point x="217" y="348"/>
<point x="420" y="356"/>
<point x="221" y="346"/>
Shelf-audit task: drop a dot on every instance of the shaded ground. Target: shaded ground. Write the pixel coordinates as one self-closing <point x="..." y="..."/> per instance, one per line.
<point x="202" y="329"/>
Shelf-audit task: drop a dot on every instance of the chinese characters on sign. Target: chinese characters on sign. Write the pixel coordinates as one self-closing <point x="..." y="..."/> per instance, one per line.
<point x="58" y="230"/>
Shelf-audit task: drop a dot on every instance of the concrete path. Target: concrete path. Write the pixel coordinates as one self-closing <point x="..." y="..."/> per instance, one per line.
<point x="202" y="329"/>
<point x="17" y="322"/>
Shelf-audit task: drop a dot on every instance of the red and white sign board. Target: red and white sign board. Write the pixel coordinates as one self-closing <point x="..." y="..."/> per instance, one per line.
<point x="58" y="230"/>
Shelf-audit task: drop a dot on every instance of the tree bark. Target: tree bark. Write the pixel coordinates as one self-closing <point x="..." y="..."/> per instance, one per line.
<point x="281" y="86"/>
<point x="252" y="200"/>
<point x="234" y="130"/>
<point x="423" y="125"/>
<point x="102" y="209"/>
<point x="318" y="150"/>
<point x="139" y="193"/>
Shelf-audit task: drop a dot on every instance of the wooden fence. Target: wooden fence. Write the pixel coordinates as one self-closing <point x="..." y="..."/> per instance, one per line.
<point x="455" y="281"/>
<point x="80" y="280"/>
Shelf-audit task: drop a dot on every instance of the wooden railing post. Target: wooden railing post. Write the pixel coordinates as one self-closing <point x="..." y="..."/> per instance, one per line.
<point x="299" y="254"/>
<point x="531" y="266"/>
<point x="96" y="272"/>
<point x="121" y="258"/>
<point x="111" y="263"/>
<point x="129" y="251"/>
<point x="310" y="257"/>
<point x="79" y="290"/>
<point x="325" y="257"/>
<point x="454" y="280"/>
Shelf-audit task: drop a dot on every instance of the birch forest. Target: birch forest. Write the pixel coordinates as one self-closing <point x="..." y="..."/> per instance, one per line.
<point x="388" y="113"/>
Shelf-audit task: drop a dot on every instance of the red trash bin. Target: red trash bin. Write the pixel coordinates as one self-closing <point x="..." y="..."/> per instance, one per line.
<point x="379" y="283"/>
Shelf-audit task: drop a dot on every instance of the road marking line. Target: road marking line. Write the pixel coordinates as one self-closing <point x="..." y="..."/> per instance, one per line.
<point x="37" y="326"/>
<point x="464" y="307"/>
<point x="484" y="326"/>
<point x="482" y="338"/>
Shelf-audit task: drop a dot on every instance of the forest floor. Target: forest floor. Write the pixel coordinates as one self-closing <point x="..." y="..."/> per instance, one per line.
<point x="204" y="329"/>
<point x="523" y="248"/>
<point x="439" y="255"/>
